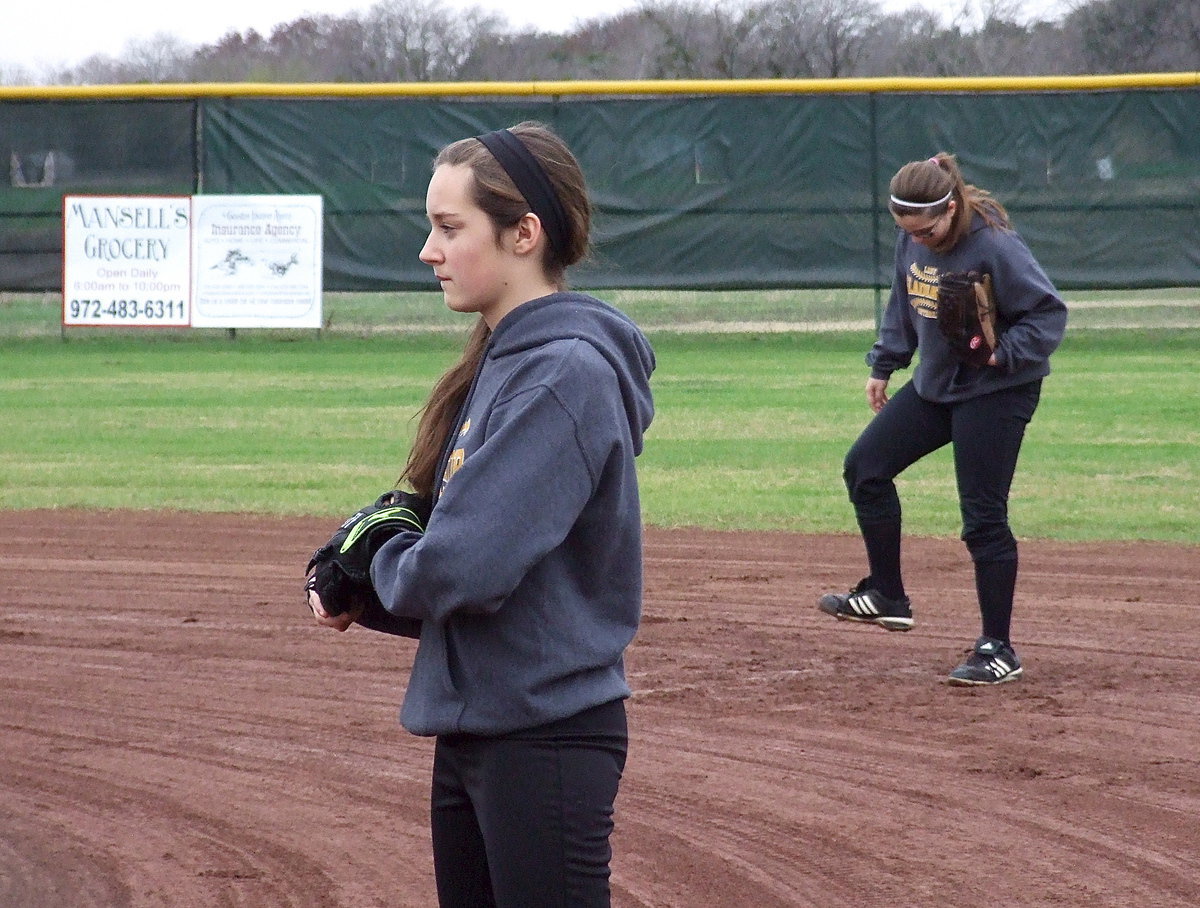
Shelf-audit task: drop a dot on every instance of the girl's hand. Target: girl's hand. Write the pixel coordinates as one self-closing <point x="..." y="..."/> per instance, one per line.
<point x="337" y="622"/>
<point x="877" y="393"/>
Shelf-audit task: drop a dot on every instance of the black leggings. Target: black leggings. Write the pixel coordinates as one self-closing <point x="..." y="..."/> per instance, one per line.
<point x="986" y="433"/>
<point x="523" y="820"/>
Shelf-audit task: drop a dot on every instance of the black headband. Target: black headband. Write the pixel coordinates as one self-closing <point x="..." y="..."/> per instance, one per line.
<point x="532" y="182"/>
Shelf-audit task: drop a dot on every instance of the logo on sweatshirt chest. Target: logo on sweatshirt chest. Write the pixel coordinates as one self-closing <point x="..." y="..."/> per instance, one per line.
<point x="923" y="289"/>
<point x="458" y="456"/>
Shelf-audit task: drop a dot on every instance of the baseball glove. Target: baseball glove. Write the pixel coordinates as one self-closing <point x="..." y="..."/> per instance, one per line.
<point x="966" y="315"/>
<point x="340" y="570"/>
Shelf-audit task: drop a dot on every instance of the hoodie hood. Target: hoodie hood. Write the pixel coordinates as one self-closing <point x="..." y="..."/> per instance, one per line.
<point x="577" y="316"/>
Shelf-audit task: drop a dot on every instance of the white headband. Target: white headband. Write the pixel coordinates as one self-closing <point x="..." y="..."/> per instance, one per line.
<point x="904" y="204"/>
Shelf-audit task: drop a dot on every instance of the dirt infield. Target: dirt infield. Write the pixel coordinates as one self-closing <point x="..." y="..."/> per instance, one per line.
<point x="177" y="733"/>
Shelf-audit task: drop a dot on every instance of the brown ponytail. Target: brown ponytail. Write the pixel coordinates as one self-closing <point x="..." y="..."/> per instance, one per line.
<point x="439" y="412"/>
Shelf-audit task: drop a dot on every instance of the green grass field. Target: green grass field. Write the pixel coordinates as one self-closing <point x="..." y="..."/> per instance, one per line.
<point x="750" y="432"/>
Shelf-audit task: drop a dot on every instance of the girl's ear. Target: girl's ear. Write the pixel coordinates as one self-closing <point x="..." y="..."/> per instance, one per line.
<point x="528" y="233"/>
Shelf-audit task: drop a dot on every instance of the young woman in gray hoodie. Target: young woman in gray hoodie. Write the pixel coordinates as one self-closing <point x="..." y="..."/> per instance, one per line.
<point x="525" y="587"/>
<point x="946" y="225"/>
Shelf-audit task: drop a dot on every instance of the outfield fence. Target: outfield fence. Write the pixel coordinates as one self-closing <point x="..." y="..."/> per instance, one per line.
<point x="713" y="185"/>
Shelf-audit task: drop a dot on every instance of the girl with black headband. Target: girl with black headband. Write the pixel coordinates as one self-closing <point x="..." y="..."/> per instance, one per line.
<point x="945" y="225"/>
<point x="526" y="584"/>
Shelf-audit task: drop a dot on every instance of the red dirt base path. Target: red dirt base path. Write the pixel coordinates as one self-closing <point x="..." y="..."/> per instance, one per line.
<point x="177" y="733"/>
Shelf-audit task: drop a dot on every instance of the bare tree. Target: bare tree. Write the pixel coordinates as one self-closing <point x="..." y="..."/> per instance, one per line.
<point x="308" y="49"/>
<point x="420" y="40"/>
<point x="681" y="27"/>
<point x="20" y="75"/>
<point x="415" y="41"/>
<point x="620" y="47"/>
<point x="1137" y="35"/>
<point x="817" y="38"/>
<point x="908" y="43"/>
<point x="323" y="48"/>
<point x="160" y="58"/>
<point x="737" y="36"/>
<point x="234" y="58"/>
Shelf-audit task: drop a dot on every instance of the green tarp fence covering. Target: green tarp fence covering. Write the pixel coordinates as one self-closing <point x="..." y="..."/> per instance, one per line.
<point x="691" y="191"/>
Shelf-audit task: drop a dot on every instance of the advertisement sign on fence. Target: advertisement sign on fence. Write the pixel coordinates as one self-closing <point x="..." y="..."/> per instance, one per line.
<point x="233" y="261"/>
<point x="256" y="261"/>
<point x="126" y="260"/>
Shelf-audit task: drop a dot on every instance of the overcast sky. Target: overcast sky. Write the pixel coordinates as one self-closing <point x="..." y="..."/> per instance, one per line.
<point x="37" y="35"/>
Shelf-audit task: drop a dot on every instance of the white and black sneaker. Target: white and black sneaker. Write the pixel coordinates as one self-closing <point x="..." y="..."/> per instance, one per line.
<point x="992" y="661"/>
<point x="869" y="606"/>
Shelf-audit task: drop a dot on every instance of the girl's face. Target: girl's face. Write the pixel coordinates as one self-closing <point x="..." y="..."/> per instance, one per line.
<point x="471" y="266"/>
<point x="927" y="231"/>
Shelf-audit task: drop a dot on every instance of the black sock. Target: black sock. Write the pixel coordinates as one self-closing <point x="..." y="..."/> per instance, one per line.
<point x="883" y="556"/>
<point x="995" y="583"/>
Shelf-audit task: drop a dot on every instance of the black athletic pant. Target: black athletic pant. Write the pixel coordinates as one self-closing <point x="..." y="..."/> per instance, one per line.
<point x="986" y="433"/>
<point x="523" y="820"/>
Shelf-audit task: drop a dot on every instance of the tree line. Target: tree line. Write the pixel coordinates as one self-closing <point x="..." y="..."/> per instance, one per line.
<point x="425" y="41"/>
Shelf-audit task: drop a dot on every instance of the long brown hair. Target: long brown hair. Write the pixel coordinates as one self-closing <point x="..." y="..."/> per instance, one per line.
<point x="494" y="192"/>
<point x="922" y="182"/>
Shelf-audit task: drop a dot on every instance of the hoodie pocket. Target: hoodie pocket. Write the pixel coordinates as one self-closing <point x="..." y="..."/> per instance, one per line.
<point x="965" y="377"/>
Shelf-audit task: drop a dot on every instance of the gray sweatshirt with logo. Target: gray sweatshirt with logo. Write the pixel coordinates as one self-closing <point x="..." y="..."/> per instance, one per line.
<point x="1031" y="317"/>
<point x="527" y="583"/>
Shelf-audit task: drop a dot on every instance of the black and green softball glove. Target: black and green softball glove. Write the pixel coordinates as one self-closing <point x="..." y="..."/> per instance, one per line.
<point x="340" y="570"/>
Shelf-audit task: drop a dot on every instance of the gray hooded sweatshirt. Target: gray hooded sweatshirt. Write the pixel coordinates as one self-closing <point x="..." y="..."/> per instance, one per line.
<point x="527" y="582"/>
<point x="1032" y="317"/>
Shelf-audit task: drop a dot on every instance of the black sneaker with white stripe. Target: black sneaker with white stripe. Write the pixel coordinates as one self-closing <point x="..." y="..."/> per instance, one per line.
<point x="869" y="606"/>
<point x="991" y="662"/>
